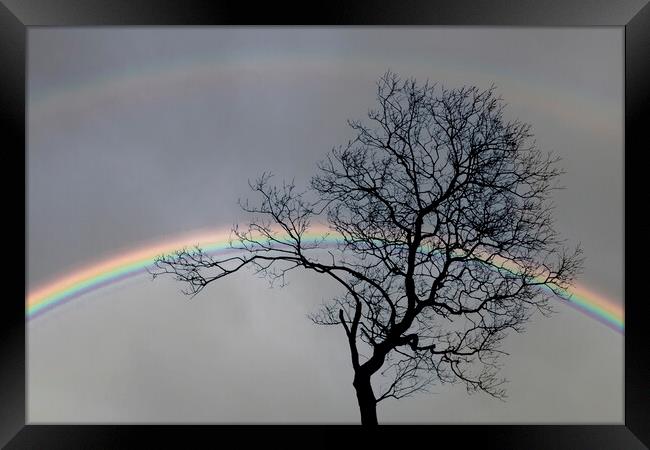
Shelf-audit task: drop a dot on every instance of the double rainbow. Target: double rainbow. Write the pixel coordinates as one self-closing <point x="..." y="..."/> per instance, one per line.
<point x="136" y="262"/>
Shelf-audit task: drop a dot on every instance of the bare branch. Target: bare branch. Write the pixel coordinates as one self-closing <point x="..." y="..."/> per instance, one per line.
<point x="443" y="210"/>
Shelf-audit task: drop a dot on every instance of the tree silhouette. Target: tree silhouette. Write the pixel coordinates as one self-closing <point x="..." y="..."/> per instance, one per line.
<point x="443" y="212"/>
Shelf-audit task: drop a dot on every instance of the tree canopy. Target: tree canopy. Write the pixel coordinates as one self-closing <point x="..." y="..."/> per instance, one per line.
<point x="443" y="211"/>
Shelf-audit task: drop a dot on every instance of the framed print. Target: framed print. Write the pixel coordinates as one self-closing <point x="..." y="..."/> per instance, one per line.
<point x="407" y="215"/>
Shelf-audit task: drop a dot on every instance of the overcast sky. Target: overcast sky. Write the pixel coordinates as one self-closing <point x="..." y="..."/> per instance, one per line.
<point x="140" y="134"/>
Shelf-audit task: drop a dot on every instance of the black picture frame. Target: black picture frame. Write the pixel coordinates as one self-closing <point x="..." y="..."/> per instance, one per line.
<point x="17" y="15"/>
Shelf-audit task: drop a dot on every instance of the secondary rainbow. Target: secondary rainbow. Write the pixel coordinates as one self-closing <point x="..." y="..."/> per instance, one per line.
<point x="207" y="71"/>
<point x="130" y="264"/>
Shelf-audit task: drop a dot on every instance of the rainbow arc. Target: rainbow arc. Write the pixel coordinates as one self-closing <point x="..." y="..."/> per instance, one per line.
<point x="133" y="263"/>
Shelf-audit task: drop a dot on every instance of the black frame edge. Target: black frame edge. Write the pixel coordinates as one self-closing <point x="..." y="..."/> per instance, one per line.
<point x="633" y="14"/>
<point x="13" y="36"/>
<point x="637" y="105"/>
<point x="339" y="12"/>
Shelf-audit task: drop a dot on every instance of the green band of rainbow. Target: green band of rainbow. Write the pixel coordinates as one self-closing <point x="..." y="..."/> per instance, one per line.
<point x="116" y="269"/>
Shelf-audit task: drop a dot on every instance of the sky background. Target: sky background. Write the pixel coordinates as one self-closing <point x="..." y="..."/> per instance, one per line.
<point x="137" y="135"/>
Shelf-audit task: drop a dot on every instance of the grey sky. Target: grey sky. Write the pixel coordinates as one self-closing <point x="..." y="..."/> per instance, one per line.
<point x="136" y="134"/>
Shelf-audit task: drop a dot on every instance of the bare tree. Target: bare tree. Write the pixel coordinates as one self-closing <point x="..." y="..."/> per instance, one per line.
<point x="443" y="211"/>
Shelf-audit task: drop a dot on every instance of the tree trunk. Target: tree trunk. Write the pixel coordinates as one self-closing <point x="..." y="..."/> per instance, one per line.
<point x="366" y="399"/>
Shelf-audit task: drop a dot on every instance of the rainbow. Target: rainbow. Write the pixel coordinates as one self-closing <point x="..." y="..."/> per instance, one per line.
<point x="207" y="71"/>
<point x="130" y="264"/>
